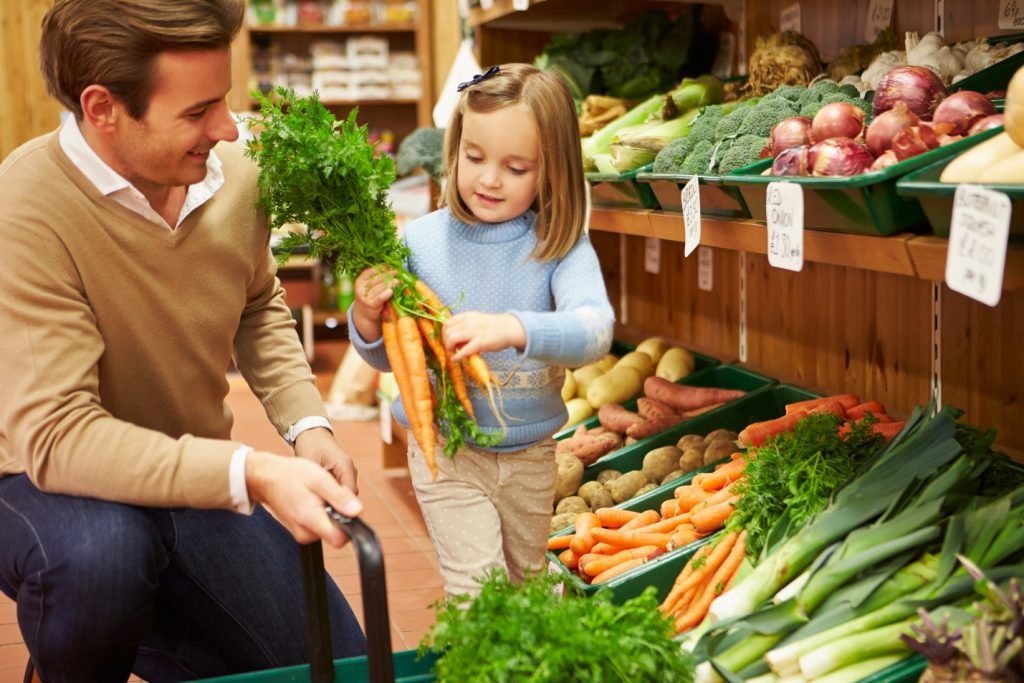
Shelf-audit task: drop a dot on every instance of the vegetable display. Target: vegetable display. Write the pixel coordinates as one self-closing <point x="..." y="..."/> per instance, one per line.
<point x="325" y="174"/>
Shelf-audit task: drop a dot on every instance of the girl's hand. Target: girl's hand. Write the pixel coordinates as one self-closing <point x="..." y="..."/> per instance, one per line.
<point x="372" y="290"/>
<point x="468" y="333"/>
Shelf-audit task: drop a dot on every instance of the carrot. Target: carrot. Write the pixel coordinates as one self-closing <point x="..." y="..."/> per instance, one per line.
<point x="684" y="601"/>
<point x="704" y="564"/>
<point x="431" y="335"/>
<point x="432" y="302"/>
<point x="714" y="586"/>
<point x="605" y="562"/>
<point x="459" y="385"/>
<point x="605" y="549"/>
<point x="629" y="539"/>
<point x="583" y="541"/>
<point x="559" y="542"/>
<point x="724" y="474"/>
<point x="670" y="507"/>
<point x="690" y="495"/>
<point x="861" y="409"/>
<point x="643" y="519"/>
<point x="665" y="526"/>
<point x="685" y="534"/>
<point x="569" y="558"/>
<point x="720" y="496"/>
<point x="846" y="400"/>
<point x="613" y="518"/>
<point x="888" y="429"/>
<point x="683" y="397"/>
<point x="713" y="518"/>
<point x="617" y="570"/>
<point x="411" y="345"/>
<point x="392" y="346"/>
<point x="829" y="406"/>
<point x="757" y="433"/>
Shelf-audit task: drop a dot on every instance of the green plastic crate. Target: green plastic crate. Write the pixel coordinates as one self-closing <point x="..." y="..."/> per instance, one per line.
<point x="936" y="198"/>
<point x="865" y="204"/>
<point x="701" y="362"/>
<point x="716" y="198"/>
<point x="408" y="669"/>
<point x="907" y="670"/>
<point x="621" y="190"/>
<point x="997" y="76"/>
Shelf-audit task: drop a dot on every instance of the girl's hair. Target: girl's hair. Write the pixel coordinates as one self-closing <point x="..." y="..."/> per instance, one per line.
<point x="561" y="192"/>
<point x="115" y="43"/>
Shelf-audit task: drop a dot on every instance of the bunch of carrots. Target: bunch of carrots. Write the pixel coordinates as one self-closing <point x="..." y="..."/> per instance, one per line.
<point x="848" y="407"/>
<point x="611" y="541"/>
<point x="708" y="574"/>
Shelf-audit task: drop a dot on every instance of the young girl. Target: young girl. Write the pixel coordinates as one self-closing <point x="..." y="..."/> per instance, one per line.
<point x="508" y="253"/>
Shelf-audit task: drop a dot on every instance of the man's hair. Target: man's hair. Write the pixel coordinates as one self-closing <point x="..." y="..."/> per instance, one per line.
<point x="561" y="191"/>
<point x="115" y="43"/>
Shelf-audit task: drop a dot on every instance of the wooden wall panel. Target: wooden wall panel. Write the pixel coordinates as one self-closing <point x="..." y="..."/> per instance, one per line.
<point x="25" y="110"/>
<point x="446" y="34"/>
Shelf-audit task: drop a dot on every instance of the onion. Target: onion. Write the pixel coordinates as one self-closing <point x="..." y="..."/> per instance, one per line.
<point x="962" y="110"/>
<point x="885" y="126"/>
<point x="838" y="157"/>
<point x="918" y="86"/>
<point x="887" y="159"/>
<point x="791" y="132"/>
<point x="919" y="139"/>
<point x="992" y="121"/>
<point x="837" y="120"/>
<point x="791" y="161"/>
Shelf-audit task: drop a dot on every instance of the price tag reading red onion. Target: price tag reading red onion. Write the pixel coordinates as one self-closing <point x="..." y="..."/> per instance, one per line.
<point x="978" y="233"/>
<point x="690" y="197"/>
<point x="784" y="209"/>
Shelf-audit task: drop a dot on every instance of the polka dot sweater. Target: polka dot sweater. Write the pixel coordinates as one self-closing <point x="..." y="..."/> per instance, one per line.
<point x="562" y="304"/>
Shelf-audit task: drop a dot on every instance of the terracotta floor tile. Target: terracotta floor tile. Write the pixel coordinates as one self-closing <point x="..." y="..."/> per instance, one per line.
<point x="13" y="656"/>
<point x="8" y="611"/>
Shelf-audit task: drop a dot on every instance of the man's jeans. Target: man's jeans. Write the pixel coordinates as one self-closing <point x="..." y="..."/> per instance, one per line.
<point x="104" y="589"/>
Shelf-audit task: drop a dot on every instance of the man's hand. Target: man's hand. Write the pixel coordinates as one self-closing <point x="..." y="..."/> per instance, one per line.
<point x="468" y="333"/>
<point x="320" y="446"/>
<point x="296" y="491"/>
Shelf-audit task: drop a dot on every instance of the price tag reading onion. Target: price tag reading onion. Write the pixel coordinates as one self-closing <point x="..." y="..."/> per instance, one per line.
<point x="690" y="196"/>
<point x="784" y="209"/>
<point x="879" y="18"/>
<point x="978" y="233"/>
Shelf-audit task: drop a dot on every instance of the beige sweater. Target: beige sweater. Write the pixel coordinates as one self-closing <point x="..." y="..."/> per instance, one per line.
<point x="116" y="334"/>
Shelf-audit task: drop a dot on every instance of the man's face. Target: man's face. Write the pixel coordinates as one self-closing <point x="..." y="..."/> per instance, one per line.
<point x="187" y="116"/>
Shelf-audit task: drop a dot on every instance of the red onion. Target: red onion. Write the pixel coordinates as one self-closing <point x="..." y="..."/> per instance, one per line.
<point x="887" y="159"/>
<point x="918" y="86"/>
<point x="918" y="139"/>
<point x="993" y="121"/>
<point x="963" y="109"/>
<point x="838" y="120"/>
<point x="839" y="157"/>
<point x="791" y="161"/>
<point x="791" y="132"/>
<point x="885" y="126"/>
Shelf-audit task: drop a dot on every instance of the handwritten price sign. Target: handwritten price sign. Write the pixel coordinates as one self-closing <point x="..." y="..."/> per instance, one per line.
<point x="784" y="207"/>
<point x="690" y="196"/>
<point x="789" y="18"/>
<point x="979" y="231"/>
<point x="1011" y="14"/>
<point x="879" y="18"/>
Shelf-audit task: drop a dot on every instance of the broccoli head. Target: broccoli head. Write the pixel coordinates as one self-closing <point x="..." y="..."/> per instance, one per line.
<point x="811" y="109"/>
<point x="809" y="96"/>
<point x="703" y="127"/>
<point x="698" y="161"/>
<point x="730" y="124"/>
<point x="744" y="151"/>
<point x="825" y="86"/>
<point x="789" y="92"/>
<point x="861" y="104"/>
<point x="849" y="89"/>
<point x="670" y="158"/>
<point x="761" y="119"/>
<point x="422" y="148"/>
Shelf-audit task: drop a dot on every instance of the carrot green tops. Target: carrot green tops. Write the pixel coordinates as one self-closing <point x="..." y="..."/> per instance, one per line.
<point x="116" y="333"/>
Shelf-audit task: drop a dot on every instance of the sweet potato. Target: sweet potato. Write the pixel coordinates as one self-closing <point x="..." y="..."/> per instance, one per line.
<point x="614" y="417"/>
<point x="651" y="427"/>
<point x="683" y="397"/>
<point x="588" y="447"/>
<point x="654" y="410"/>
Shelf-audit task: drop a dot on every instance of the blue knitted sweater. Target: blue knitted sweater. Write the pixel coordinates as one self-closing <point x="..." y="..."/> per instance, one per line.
<point x="562" y="304"/>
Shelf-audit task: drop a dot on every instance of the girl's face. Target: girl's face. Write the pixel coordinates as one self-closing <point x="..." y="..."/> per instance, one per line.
<point x="499" y="162"/>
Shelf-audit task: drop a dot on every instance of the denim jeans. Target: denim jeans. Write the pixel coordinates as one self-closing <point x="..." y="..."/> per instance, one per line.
<point x="105" y="589"/>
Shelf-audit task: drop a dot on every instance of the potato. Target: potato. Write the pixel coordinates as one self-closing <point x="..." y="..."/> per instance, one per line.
<point x="675" y="364"/>
<point x="625" y="487"/>
<point x="570" y="474"/>
<point x="618" y="385"/>
<point x="587" y="490"/>
<point x="602" y="498"/>
<point x="720" y="435"/>
<point x="718" y="450"/>
<point x="579" y="410"/>
<point x="691" y="441"/>
<point x="606" y="476"/>
<point x="639" y="360"/>
<point x="644" y="489"/>
<point x="584" y="376"/>
<point x="571" y="504"/>
<point x="691" y="459"/>
<point x="655" y="347"/>
<point x="674" y="474"/>
<point x="569" y="386"/>
<point x="660" y="461"/>
<point x="559" y="522"/>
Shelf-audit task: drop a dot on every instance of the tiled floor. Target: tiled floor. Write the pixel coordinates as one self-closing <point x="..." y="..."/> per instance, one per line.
<point x="390" y="508"/>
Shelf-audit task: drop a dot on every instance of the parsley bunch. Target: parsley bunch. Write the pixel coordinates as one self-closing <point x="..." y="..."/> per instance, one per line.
<point x="526" y="632"/>
<point x="325" y="173"/>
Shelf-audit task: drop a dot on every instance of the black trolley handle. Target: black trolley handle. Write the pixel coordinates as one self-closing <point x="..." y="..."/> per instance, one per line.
<point x="375" y="603"/>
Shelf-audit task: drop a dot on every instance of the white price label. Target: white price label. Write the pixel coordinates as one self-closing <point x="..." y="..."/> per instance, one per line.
<point x="1011" y="14"/>
<point x="705" y="269"/>
<point x="385" y="421"/>
<point x="486" y="4"/>
<point x="690" y="196"/>
<point x="879" y="18"/>
<point x="789" y="18"/>
<point x="784" y="207"/>
<point x="520" y="5"/>
<point x="652" y="255"/>
<point x="978" y="233"/>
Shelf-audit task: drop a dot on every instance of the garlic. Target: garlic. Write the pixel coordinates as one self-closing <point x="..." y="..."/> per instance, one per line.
<point x="943" y="61"/>
<point x="881" y="66"/>
<point x="918" y="50"/>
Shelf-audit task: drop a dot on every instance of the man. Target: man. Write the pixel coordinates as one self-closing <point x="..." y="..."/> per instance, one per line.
<point x="135" y="266"/>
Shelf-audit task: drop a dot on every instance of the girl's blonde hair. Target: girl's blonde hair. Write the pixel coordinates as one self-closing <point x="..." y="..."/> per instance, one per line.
<point x="561" y="192"/>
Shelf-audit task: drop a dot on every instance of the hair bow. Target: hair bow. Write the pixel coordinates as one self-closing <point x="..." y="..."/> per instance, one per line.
<point x="493" y="71"/>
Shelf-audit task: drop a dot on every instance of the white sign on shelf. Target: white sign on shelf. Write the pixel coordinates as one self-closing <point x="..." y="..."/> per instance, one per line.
<point x="520" y="5"/>
<point x="784" y="209"/>
<point x="789" y="18"/>
<point x="1011" y="14"/>
<point x="879" y="18"/>
<point x="652" y="255"/>
<point x="978" y="233"/>
<point x="690" y="197"/>
<point x="705" y="269"/>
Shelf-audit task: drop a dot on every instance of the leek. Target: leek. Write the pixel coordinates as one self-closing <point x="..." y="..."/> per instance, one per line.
<point x="860" y="670"/>
<point x="856" y="648"/>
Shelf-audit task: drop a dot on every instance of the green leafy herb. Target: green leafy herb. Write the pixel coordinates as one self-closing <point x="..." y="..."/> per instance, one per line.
<point x="527" y="632"/>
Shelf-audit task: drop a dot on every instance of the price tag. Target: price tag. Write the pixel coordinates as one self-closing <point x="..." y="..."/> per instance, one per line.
<point x="486" y="4"/>
<point x="690" y="196"/>
<point x="520" y="5"/>
<point x="385" y="421"/>
<point x="784" y="207"/>
<point x="789" y="18"/>
<point x="879" y="18"/>
<point x="652" y="255"/>
<point x="1011" y="14"/>
<point x="979" y="231"/>
<point x="705" y="269"/>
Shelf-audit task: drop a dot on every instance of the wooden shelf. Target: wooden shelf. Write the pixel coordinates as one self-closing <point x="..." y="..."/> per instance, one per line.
<point x="565" y="17"/>
<point x="325" y="28"/>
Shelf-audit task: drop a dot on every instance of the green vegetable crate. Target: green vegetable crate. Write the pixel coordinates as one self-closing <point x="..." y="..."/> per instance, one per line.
<point x="716" y="198"/>
<point x="936" y="198"/>
<point x="621" y="190"/>
<point x="865" y="204"/>
<point x="997" y="76"/>
<point x="701" y="362"/>
<point x="764" y="403"/>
